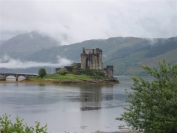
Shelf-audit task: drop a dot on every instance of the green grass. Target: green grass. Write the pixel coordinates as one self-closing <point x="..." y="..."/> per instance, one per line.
<point x="67" y="77"/>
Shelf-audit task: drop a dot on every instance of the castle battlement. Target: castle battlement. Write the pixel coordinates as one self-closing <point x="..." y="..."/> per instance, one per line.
<point x="91" y="59"/>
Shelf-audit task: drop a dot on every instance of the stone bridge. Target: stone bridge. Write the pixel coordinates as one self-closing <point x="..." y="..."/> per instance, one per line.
<point x="26" y="76"/>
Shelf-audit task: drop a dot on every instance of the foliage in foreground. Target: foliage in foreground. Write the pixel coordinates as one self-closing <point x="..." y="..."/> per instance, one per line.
<point x="153" y="105"/>
<point x="42" y="72"/>
<point x="6" y="126"/>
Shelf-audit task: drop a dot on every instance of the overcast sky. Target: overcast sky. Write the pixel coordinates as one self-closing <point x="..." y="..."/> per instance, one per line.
<point x="75" y="21"/>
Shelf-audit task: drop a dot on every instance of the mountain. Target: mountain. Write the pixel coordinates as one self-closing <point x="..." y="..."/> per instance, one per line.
<point x="26" y="44"/>
<point x="126" y="54"/>
<point x="163" y="49"/>
<point x="111" y="47"/>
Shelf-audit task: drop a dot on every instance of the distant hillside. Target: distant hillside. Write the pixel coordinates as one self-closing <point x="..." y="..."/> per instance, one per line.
<point x="24" y="45"/>
<point x="124" y="53"/>
<point x="148" y="55"/>
<point x="111" y="48"/>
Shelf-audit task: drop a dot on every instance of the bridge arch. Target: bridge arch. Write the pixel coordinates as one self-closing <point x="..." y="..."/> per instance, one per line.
<point x="26" y="76"/>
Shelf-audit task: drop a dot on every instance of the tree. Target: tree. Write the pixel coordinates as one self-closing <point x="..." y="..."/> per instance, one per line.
<point x="62" y="71"/>
<point x="42" y="72"/>
<point x="153" y="105"/>
<point x="6" y="126"/>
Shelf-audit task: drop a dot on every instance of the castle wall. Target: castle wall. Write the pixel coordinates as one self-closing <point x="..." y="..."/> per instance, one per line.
<point x="91" y="58"/>
<point x="100" y="65"/>
<point x="84" y="61"/>
<point x="109" y="71"/>
<point x="69" y="68"/>
<point x="76" y="64"/>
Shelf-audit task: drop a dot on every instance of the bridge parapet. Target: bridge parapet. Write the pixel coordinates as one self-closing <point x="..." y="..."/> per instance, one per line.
<point x="26" y="76"/>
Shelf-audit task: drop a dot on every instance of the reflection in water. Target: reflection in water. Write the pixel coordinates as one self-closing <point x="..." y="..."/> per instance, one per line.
<point x="109" y="95"/>
<point x="65" y="107"/>
<point x="41" y="84"/>
<point x="90" y="98"/>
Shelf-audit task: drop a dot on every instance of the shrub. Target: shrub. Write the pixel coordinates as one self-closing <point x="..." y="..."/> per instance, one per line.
<point x="94" y="72"/>
<point x="99" y="73"/>
<point x="6" y="126"/>
<point x="88" y="72"/>
<point x="152" y="105"/>
<point x="75" y="68"/>
<point x="75" y="72"/>
<point x="37" y="76"/>
<point x="62" y="71"/>
<point x="42" y="72"/>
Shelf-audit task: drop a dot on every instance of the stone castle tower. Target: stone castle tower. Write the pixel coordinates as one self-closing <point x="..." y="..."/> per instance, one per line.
<point x="91" y="59"/>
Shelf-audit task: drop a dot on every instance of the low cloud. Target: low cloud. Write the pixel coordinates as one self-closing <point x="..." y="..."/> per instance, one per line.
<point x="76" y="21"/>
<point x="10" y="63"/>
<point x="152" y="41"/>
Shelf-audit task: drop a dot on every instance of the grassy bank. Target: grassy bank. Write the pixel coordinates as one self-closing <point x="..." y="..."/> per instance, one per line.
<point x="68" y="77"/>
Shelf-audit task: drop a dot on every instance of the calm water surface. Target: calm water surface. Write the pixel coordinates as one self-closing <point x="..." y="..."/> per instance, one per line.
<point x="70" y="107"/>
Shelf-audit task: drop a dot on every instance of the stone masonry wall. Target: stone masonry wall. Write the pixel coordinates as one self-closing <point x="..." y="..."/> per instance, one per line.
<point x="91" y="58"/>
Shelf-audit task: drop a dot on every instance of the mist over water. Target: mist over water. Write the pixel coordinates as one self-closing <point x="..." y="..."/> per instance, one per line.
<point x="10" y="63"/>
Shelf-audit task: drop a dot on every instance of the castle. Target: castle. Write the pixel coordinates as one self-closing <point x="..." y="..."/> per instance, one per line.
<point x="91" y="59"/>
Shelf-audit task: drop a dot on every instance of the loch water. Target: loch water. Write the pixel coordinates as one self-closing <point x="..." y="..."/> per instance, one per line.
<point x="66" y="107"/>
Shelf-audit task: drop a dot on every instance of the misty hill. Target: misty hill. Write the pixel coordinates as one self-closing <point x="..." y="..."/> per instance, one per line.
<point x="125" y="53"/>
<point x="26" y="44"/>
<point x="111" y="48"/>
<point x="149" y="55"/>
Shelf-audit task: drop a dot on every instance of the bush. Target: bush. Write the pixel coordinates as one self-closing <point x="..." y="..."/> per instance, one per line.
<point x="88" y="72"/>
<point x="99" y="73"/>
<point x="42" y="72"/>
<point x="37" y="76"/>
<point x="152" y="105"/>
<point x="75" y="68"/>
<point x="62" y="71"/>
<point x="94" y="72"/>
<point x="6" y="126"/>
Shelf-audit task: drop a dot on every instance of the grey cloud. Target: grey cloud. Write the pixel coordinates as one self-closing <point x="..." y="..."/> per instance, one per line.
<point x="75" y="21"/>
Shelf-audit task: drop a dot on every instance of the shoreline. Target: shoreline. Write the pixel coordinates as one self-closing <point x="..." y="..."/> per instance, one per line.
<point x="52" y="81"/>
